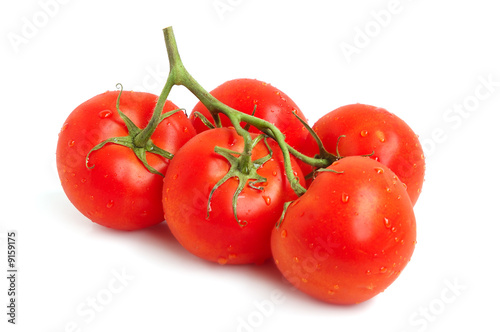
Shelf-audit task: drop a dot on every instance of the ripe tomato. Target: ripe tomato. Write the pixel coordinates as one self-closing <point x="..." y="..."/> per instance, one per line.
<point x="269" y="103"/>
<point x="219" y="237"/>
<point x="118" y="192"/>
<point x="349" y="236"/>
<point x="370" y="129"/>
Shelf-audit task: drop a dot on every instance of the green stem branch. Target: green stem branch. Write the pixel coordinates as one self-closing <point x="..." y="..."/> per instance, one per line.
<point x="180" y="76"/>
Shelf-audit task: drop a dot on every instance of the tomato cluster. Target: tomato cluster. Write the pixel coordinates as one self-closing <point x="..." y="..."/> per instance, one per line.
<point x="244" y="178"/>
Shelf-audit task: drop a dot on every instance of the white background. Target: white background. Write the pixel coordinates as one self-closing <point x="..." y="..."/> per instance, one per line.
<point x="423" y="63"/>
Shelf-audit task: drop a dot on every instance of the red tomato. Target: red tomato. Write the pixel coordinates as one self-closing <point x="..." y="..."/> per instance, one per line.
<point x="269" y="103"/>
<point x="370" y="129"/>
<point x="195" y="170"/>
<point x="349" y="236"/>
<point x="118" y="192"/>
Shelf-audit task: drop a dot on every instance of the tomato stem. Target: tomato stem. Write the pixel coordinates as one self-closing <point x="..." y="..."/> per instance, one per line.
<point x="180" y="76"/>
<point x="142" y="138"/>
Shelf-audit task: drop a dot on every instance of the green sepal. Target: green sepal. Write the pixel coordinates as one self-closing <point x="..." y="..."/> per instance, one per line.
<point x="204" y="119"/>
<point x="285" y="208"/>
<point x="129" y="140"/>
<point x="253" y="178"/>
<point x="323" y="153"/>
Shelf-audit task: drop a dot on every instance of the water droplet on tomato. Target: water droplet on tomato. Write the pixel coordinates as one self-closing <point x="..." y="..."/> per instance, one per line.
<point x="368" y="272"/>
<point x="284" y="233"/>
<point x="296" y="259"/>
<point x="379" y="170"/>
<point x="232" y="256"/>
<point x="110" y="204"/>
<point x="222" y="260"/>
<point x="84" y="180"/>
<point x="388" y="189"/>
<point x="233" y="142"/>
<point x="394" y="229"/>
<point x="185" y="129"/>
<point x="64" y="127"/>
<point x="304" y="280"/>
<point x="275" y="173"/>
<point x="387" y="223"/>
<point x="71" y="143"/>
<point x="105" y="114"/>
<point x="364" y="133"/>
<point x="345" y="198"/>
<point x="405" y="186"/>
<point x="380" y="135"/>
<point x="267" y="199"/>
<point x="383" y="269"/>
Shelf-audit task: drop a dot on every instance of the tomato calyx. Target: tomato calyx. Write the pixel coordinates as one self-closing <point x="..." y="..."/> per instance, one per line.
<point x="247" y="175"/>
<point x="138" y="140"/>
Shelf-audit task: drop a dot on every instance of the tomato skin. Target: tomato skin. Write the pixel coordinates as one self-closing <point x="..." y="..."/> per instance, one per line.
<point x="370" y="129"/>
<point x="272" y="105"/>
<point x="349" y="236"/>
<point x="192" y="174"/>
<point x="118" y="192"/>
